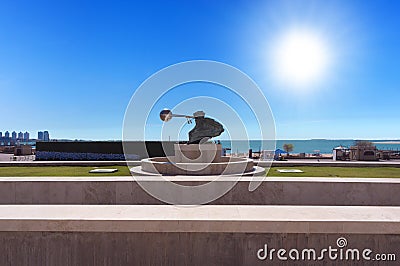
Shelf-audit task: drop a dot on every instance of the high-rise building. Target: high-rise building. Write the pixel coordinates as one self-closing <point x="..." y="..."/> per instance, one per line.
<point x="40" y="135"/>
<point x="14" y="135"/>
<point x="20" y="135"/>
<point x="7" y="134"/>
<point x="26" y="136"/>
<point x="1" y="134"/>
<point x="46" y="136"/>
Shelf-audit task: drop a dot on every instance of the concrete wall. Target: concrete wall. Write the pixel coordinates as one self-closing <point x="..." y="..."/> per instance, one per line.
<point x="207" y="235"/>
<point x="142" y="148"/>
<point x="272" y="191"/>
<point x="79" y="248"/>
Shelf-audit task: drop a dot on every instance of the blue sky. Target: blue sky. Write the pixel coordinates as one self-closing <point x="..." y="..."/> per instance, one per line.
<point x="71" y="67"/>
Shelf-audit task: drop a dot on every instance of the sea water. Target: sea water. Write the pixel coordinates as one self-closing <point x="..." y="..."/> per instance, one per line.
<point x="307" y="146"/>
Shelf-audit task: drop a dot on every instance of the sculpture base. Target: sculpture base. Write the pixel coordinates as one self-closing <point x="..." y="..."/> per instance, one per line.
<point x="197" y="160"/>
<point x="256" y="171"/>
<point x="197" y="153"/>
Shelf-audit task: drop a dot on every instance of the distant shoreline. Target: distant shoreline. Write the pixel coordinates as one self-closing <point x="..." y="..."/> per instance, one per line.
<point x="386" y="142"/>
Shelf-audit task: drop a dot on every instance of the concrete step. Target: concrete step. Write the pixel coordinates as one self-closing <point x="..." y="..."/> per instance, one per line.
<point x="208" y="218"/>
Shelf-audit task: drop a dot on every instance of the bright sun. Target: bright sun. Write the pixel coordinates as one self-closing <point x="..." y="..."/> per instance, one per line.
<point x="300" y="58"/>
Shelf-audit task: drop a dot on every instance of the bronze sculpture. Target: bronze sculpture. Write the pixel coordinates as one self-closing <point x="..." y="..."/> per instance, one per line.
<point x="205" y="129"/>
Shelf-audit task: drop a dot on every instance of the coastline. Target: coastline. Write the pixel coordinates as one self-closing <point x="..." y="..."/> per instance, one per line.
<point x="387" y="142"/>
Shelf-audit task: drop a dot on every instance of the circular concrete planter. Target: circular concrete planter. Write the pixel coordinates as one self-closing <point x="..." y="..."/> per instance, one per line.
<point x="227" y="166"/>
<point x="197" y="160"/>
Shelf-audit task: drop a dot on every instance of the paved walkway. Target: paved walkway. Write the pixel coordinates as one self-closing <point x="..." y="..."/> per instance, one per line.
<point x="207" y="218"/>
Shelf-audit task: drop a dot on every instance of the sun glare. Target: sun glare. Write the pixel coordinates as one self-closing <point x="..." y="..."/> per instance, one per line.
<point x="300" y="58"/>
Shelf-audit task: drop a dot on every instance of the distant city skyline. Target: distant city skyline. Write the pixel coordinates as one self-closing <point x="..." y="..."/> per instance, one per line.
<point x="72" y="66"/>
<point x="15" y="135"/>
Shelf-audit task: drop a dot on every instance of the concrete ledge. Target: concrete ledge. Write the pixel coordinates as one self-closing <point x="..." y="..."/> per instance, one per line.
<point x="182" y="178"/>
<point x="259" y="163"/>
<point x="272" y="191"/>
<point x="232" y="219"/>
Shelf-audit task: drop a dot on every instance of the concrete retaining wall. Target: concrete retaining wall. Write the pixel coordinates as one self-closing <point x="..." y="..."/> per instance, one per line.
<point x="208" y="235"/>
<point x="272" y="191"/>
<point x="56" y="248"/>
